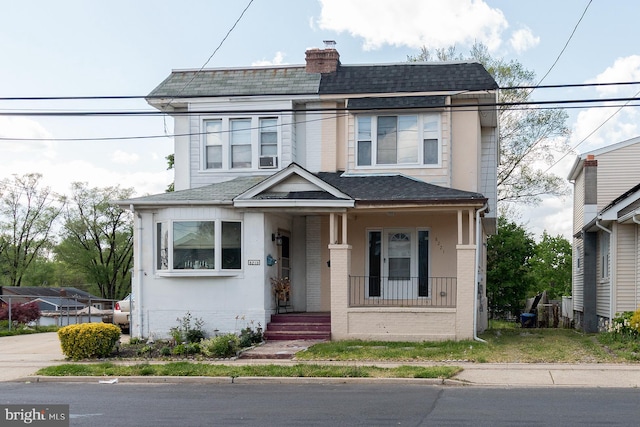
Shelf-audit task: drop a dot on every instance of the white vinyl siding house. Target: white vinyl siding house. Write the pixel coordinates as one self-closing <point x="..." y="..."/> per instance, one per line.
<point x="359" y="183"/>
<point x="606" y="220"/>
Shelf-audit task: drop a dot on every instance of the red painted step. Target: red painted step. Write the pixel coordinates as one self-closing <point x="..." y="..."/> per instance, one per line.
<point x="299" y="326"/>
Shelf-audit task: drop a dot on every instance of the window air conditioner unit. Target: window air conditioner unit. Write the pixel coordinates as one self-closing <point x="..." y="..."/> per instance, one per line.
<point x="268" y="162"/>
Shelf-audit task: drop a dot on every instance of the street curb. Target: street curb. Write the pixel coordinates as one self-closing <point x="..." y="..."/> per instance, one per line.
<point x="229" y="380"/>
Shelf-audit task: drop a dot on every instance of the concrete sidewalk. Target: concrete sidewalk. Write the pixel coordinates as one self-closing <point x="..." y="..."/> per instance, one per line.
<point x="21" y="356"/>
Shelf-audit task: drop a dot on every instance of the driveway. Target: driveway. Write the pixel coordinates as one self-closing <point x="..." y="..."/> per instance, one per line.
<point x="23" y="355"/>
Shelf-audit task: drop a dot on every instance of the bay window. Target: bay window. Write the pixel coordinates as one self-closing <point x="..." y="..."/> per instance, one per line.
<point x="398" y="140"/>
<point x="191" y="245"/>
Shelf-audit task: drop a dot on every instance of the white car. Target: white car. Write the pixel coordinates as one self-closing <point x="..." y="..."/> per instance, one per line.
<point x="122" y="313"/>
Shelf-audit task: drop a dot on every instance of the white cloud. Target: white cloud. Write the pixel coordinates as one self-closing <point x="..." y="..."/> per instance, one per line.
<point x="124" y="158"/>
<point x="625" y="69"/>
<point x="277" y="60"/>
<point x="523" y="39"/>
<point x="21" y="128"/>
<point x="60" y="175"/>
<point x="415" y="23"/>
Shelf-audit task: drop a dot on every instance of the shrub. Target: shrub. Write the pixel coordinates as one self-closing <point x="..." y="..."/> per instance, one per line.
<point x="186" y="349"/>
<point x="248" y="336"/>
<point x="622" y="323"/>
<point x="226" y="345"/>
<point x="88" y="340"/>
<point x="185" y="332"/>
<point x="21" y="313"/>
<point x="634" y="322"/>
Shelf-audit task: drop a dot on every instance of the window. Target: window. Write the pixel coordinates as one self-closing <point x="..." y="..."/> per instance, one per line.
<point x="213" y="139"/>
<point x="605" y="251"/>
<point x="238" y="143"/>
<point x="268" y="137"/>
<point x="240" y="139"/>
<point x="191" y="245"/>
<point x="398" y="140"/>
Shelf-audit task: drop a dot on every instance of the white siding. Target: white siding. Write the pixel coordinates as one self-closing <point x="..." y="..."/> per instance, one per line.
<point x="313" y="251"/>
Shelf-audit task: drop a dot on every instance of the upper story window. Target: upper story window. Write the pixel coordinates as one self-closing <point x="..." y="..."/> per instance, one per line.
<point x="398" y="140"/>
<point x="240" y="143"/>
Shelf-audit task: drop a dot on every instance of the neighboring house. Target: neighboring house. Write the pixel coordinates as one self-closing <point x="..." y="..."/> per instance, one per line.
<point x="29" y="293"/>
<point x="371" y="187"/>
<point x="606" y="244"/>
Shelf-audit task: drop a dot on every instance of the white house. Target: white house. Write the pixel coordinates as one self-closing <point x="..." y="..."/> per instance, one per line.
<point x="606" y="243"/>
<point x="371" y="187"/>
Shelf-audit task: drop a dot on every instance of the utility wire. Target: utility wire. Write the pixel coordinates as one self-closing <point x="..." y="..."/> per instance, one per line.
<point x="566" y="44"/>
<point x="125" y="97"/>
<point x="589" y="135"/>
<point x="40" y="113"/>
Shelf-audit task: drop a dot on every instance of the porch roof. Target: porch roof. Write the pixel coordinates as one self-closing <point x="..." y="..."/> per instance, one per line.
<point x="396" y="188"/>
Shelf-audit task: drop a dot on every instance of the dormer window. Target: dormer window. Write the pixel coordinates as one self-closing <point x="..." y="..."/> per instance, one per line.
<point x="398" y="140"/>
<point x="238" y="143"/>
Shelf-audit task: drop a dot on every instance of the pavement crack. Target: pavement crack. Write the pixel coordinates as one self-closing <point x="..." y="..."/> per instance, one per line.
<point x="552" y="380"/>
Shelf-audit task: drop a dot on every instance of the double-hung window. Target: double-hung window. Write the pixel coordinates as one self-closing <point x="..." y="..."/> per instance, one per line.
<point x="199" y="245"/>
<point x="398" y="140"/>
<point x="240" y="142"/>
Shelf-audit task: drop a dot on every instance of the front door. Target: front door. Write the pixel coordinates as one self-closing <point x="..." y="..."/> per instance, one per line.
<point x="398" y="263"/>
<point x="284" y="261"/>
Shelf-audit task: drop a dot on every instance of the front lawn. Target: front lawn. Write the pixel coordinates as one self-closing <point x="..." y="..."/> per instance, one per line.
<point x="513" y="345"/>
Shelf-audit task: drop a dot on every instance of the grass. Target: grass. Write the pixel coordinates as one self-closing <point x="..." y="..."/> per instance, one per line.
<point x="503" y="345"/>
<point x="22" y="330"/>
<point x="209" y="370"/>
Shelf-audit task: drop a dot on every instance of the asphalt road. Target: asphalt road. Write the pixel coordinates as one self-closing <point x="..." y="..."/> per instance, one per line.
<point x="370" y="404"/>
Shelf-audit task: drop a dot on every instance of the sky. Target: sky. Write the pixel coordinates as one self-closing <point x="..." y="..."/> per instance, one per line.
<point x="68" y="48"/>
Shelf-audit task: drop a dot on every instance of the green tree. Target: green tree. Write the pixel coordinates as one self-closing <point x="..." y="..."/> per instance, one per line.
<point x="508" y="271"/>
<point x="28" y="212"/>
<point x="170" y="163"/>
<point x="528" y="135"/>
<point x="97" y="239"/>
<point x="551" y="267"/>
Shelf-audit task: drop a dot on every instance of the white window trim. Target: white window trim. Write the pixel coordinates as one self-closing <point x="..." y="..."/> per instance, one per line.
<point x="226" y="142"/>
<point x="218" y="271"/>
<point x="374" y="143"/>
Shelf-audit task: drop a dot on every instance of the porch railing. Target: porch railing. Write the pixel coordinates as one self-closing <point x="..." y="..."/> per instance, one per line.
<point x="371" y="291"/>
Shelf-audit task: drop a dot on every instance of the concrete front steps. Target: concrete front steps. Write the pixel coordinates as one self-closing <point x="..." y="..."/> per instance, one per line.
<point x="298" y="326"/>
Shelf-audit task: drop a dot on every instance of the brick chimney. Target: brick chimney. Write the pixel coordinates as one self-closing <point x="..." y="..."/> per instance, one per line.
<point x="324" y="60"/>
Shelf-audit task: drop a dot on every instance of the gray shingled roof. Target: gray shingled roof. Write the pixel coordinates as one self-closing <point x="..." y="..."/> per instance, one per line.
<point x="396" y="102"/>
<point x="228" y="82"/>
<point x="220" y="193"/>
<point x="409" y="77"/>
<point x="381" y="188"/>
<point x="348" y="79"/>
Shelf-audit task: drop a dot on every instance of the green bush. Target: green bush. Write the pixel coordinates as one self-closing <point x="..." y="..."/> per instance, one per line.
<point x="634" y="322"/>
<point x="623" y="323"/>
<point x="186" y="349"/>
<point x="88" y="340"/>
<point x="226" y="345"/>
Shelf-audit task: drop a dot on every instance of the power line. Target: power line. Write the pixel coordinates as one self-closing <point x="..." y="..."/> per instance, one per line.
<point x="40" y="113"/>
<point x="567" y="43"/>
<point x="146" y="97"/>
